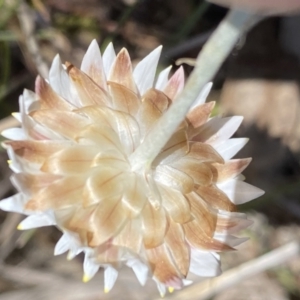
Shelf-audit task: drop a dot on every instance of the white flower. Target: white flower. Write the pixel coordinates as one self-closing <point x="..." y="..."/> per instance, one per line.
<point x="72" y="163"/>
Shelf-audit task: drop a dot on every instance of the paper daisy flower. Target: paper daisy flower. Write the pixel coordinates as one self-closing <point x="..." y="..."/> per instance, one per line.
<point x="73" y="162"/>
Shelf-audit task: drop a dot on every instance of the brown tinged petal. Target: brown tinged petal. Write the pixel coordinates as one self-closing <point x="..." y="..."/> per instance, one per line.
<point x="103" y="220"/>
<point x="174" y="178"/>
<point x="153" y="105"/>
<point x="31" y="184"/>
<point x="108" y="253"/>
<point x="154" y="226"/>
<point x="68" y="124"/>
<point x="48" y="98"/>
<point x="124" y="99"/>
<point x="111" y="159"/>
<point x="92" y="65"/>
<point x="90" y="93"/>
<point x="202" y="214"/>
<point x="199" y="115"/>
<point x="121" y="71"/>
<point x="200" y="172"/>
<point x="199" y="232"/>
<point x="102" y="136"/>
<point x="124" y="125"/>
<point x="179" y="249"/>
<point x="134" y="196"/>
<point x="229" y="170"/>
<point x="154" y="196"/>
<point x="232" y="223"/>
<point x="108" y="220"/>
<point x="176" y="147"/>
<point x="101" y="185"/>
<point x="36" y="151"/>
<point x="197" y="238"/>
<point x="71" y="160"/>
<point x="163" y="269"/>
<point x="215" y="197"/>
<point x="59" y="194"/>
<point x="130" y="237"/>
<point x="204" y="153"/>
<point x="175" y="84"/>
<point x="175" y="204"/>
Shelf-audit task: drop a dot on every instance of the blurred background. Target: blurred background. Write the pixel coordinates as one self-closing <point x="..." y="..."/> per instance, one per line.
<point x="260" y="80"/>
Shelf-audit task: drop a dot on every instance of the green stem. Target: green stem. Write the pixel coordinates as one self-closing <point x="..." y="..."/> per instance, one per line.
<point x="208" y="63"/>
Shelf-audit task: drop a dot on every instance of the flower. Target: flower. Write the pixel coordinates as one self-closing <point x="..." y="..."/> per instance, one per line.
<point x="72" y="161"/>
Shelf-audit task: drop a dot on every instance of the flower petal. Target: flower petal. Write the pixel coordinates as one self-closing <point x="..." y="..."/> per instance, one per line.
<point x="140" y="270"/>
<point x="230" y="169"/>
<point x="174" y="178"/>
<point x="175" y="148"/>
<point x="90" y="267"/>
<point x="175" y="84"/>
<point x="198" y="116"/>
<point x="199" y="232"/>
<point x="239" y="192"/>
<point x="215" y="197"/>
<point x="48" y="98"/>
<point x="144" y="71"/>
<point x="162" y="79"/>
<point x="102" y="184"/>
<point x="176" y="204"/>
<point x="89" y="92"/>
<point x="121" y="71"/>
<point x="124" y="99"/>
<point x="153" y="105"/>
<point x="36" y="221"/>
<point x="130" y="237"/>
<point x="179" y="249"/>
<point x="227" y="149"/>
<point x="30" y="184"/>
<point x="134" y="197"/>
<point x="217" y="130"/>
<point x="36" y="151"/>
<point x="203" y="153"/>
<point x="15" y="134"/>
<point x="230" y="240"/>
<point x="202" y="96"/>
<point x="63" y="245"/>
<point x="104" y="222"/>
<point x="103" y="136"/>
<point x="200" y="172"/>
<point x="60" y="82"/>
<point x="109" y="57"/>
<point x="14" y="203"/>
<point x="228" y="222"/>
<point x="65" y="123"/>
<point x="92" y="65"/>
<point x="125" y="126"/>
<point x="110" y="277"/>
<point x="204" y="264"/>
<point x="163" y="268"/>
<point x="60" y="194"/>
<point x="154" y="225"/>
<point x="71" y="160"/>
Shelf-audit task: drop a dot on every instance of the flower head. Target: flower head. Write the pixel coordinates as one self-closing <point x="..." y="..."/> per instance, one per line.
<point x="73" y="164"/>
